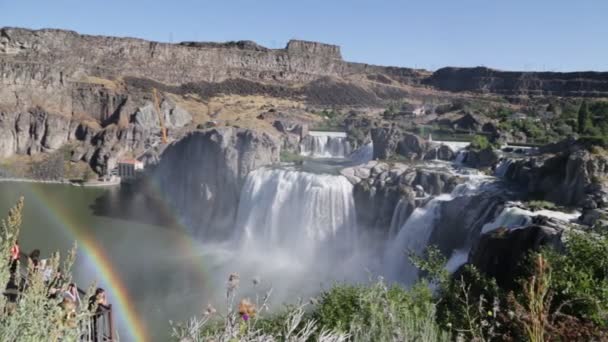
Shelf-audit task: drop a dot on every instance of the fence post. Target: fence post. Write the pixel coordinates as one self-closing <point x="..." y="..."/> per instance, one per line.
<point x="110" y="322"/>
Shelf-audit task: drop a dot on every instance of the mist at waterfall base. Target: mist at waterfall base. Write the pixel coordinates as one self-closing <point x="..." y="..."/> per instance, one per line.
<point x="296" y="232"/>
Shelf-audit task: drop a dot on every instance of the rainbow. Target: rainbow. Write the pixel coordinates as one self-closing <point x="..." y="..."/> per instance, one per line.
<point x="122" y="304"/>
<point x="121" y="299"/>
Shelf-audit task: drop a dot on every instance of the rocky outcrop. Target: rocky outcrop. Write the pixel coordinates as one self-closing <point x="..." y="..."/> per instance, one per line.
<point x="500" y="252"/>
<point x="389" y="142"/>
<point x="33" y="131"/>
<point x="175" y="64"/>
<point x="440" y="152"/>
<point x="455" y="230"/>
<point x="570" y="178"/>
<point x="480" y="159"/>
<point x="202" y="174"/>
<point x="485" y="80"/>
<point x="380" y="188"/>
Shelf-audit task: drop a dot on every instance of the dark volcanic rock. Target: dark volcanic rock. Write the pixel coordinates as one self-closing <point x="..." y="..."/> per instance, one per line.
<point x="570" y="178"/>
<point x="499" y="252"/>
<point x="481" y="158"/>
<point x="484" y="80"/>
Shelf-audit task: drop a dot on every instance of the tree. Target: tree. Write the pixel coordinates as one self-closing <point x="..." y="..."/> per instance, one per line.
<point x="584" y="119"/>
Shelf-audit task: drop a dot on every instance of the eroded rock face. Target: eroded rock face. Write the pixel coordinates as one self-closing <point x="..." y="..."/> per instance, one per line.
<point x="481" y="159"/>
<point x="392" y="141"/>
<point x="570" y="178"/>
<point x="202" y="174"/>
<point x="499" y="252"/>
<point x="379" y="187"/>
<point x="485" y="80"/>
<point x="33" y="132"/>
<point x="441" y="152"/>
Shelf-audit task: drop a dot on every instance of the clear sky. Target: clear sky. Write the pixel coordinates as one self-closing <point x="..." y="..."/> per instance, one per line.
<point x="561" y="35"/>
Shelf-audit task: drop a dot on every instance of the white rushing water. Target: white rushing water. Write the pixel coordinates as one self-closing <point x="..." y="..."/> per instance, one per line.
<point x="296" y="210"/>
<point x="513" y="216"/>
<point x="325" y="145"/>
<point x="414" y="234"/>
<point x="503" y="167"/>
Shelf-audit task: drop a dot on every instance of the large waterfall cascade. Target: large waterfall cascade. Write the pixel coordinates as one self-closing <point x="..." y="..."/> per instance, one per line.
<point x="296" y="210"/>
<point x="319" y="144"/>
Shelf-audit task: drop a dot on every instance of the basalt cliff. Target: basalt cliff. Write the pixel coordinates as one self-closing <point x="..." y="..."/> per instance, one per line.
<point x="92" y="97"/>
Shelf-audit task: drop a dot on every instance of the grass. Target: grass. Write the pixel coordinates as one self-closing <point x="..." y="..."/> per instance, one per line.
<point x="290" y="157"/>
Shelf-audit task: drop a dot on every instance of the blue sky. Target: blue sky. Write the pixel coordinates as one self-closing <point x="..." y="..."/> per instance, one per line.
<point x="561" y="35"/>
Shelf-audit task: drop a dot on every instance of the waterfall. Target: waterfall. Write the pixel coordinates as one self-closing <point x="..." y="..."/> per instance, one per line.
<point x="325" y="145"/>
<point x="503" y="168"/>
<point x="513" y="217"/>
<point x="400" y="215"/>
<point x="461" y="157"/>
<point x="413" y="236"/>
<point x="295" y="210"/>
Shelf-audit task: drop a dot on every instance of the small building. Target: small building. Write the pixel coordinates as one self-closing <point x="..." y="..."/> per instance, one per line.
<point x="129" y="167"/>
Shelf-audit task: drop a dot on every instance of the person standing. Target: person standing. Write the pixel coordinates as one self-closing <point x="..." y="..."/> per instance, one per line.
<point x="15" y="252"/>
<point x="95" y="307"/>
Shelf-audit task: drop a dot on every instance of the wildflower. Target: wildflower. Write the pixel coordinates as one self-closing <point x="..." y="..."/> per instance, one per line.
<point x="246" y="309"/>
<point x="449" y="325"/>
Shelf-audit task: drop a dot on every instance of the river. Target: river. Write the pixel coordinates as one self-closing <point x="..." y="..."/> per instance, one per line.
<point x="161" y="271"/>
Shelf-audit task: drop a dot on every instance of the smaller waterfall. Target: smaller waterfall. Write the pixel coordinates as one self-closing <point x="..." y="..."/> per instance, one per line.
<point x="413" y="236"/>
<point x="325" y="145"/>
<point x="503" y="168"/>
<point x="513" y="217"/>
<point x="400" y="215"/>
<point x="461" y="157"/>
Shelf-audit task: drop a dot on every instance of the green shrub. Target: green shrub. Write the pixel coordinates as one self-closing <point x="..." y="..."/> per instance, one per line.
<point x="480" y="142"/>
<point x="580" y="276"/>
<point x="290" y="157"/>
<point x="539" y="205"/>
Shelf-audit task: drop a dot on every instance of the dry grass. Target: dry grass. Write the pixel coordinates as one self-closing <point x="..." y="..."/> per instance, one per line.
<point x="242" y="111"/>
<point x="114" y="85"/>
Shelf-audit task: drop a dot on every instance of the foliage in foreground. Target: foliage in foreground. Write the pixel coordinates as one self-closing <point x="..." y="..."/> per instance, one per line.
<point x="374" y="312"/>
<point x="36" y="316"/>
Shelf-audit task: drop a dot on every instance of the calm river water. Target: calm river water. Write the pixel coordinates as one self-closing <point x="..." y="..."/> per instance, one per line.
<point x="160" y="268"/>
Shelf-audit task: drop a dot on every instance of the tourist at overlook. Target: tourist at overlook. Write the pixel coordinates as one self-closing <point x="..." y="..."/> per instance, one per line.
<point x="95" y="303"/>
<point x="15" y="253"/>
<point x="35" y="258"/>
<point x="72" y="294"/>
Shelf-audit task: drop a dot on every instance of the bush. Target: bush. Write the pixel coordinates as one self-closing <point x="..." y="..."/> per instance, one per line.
<point x="34" y="315"/>
<point x="580" y="277"/>
<point x="480" y="142"/>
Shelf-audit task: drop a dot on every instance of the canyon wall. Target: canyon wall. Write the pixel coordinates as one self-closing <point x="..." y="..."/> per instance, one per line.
<point x="485" y="80"/>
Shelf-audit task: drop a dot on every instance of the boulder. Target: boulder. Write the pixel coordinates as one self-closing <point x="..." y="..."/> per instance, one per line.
<point x="498" y="253"/>
<point x="481" y="159"/>
<point x="389" y="142"/>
